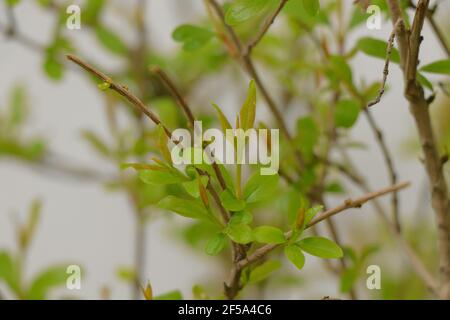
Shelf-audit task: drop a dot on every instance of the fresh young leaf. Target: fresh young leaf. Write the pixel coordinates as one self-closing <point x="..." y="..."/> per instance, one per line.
<point x="348" y="279"/>
<point x="248" y="110"/>
<point x="263" y="271"/>
<point x="346" y="113"/>
<point x="240" y="233"/>
<point x="192" y="187"/>
<point x="307" y="135"/>
<point x="223" y="120"/>
<point x="216" y="244"/>
<point x="192" y="37"/>
<point x="171" y="295"/>
<point x="341" y="69"/>
<point x="241" y="217"/>
<point x="230" y="202"/>
<point x="9" y="271"/>
<point x="260" y="188"/>
<point x="268" y="234"/>
<point x="184" y="207"/>
<point x="110" y="40"/>
<point x="439" y="67"/>
<point x="321" y="247"/>
<point x="45" y="281"/>
<point x="424" y="81"/>
<point x="295" y="255"/>
<point x="243" y="10"/>
<point x="147" y="292"/>
<point x="311" y="213"/>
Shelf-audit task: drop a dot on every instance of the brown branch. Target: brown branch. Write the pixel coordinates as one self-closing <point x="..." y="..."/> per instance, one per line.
<point x="409" y="44"/>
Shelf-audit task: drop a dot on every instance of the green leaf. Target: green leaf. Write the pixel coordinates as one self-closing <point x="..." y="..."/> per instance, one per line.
<point x="9" y="271"/>
<point x="312" y="7"/>
<point x="230" y="202"/>
<point x="161" y="176"/>
<point x="267" y="234"/>
<point x="295" y="255"/>
<point x="225" y="124"/>
<point x="311" y="213"/>
<point x="321" y="247"/>
<point x="348" y="279"/>
<point x="110" y="40"/>
<point x="18" y="106"/>
<point x="53" y="68"/>
<point x="192" y="37"/>
<point x="260" y="188"/>
<point x="185" y="207"/>
<point x="192" y="187"/>
<point x="248" y="110"/>
<point x="171" y="295"/>
<point x="263" y="271"/>
<point x="377" y="48"/>
<point x="346" y="113"/>
<point x="47" y="280"/>
<point x="307" y="135"/>
<point x="341" y="69"/>
<point x="216" y="244"/>
<point x="242" y="217"/>
<point x="242" y="10"/>
<point x="240" y="233"/>
<point x="439" y="67"/>
<point x="424" y="81"/>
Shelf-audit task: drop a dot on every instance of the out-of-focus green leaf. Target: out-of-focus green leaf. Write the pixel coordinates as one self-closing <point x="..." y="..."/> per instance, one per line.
<point x="242" y="10"/>
<point x="307" y="135"/>
<point x="248" y="110"/>
<point x="312" y="7"/>
<point x="9" y="271"/>
<point x="192" y="37"/>
<point x="172" y="295"/>
<point x="110" y="40"/>
<point x="263" y="271"/>
<point x="192" y="187"/>
<point x="225" y="124"/>
<point x="241" y="217"/>
<point x="161" y="176"/>
<point x="346" y="113"/>
<point x="216" y="244"/>
<point x="45" y="281"/>
<point x="348" y="279"/>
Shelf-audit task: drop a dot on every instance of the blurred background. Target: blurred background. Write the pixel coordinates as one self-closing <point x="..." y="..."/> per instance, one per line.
<point x="85" y="223"/>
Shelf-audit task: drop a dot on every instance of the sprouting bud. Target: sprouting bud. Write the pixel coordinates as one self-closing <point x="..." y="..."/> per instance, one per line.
<point x="300" y="218"/>
<point x="147" y="292"/>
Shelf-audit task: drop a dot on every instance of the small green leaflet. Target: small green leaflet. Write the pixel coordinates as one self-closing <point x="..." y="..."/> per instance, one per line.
<point x="242" y="217"/>
<point x="248" y="110"/>
<point x="268" y="234"/>
<point x="216" y="244"/>
<point x="321" y="247"/>
<point x="192" y="37"/>
<point x="263" y="271"/>
<point x="346" y="113"/>
<point x="110" y="40"/>
<point x="47" y="280"/>
<point x="295" y="255"/>
<point x="230" y="202"/>
<point x="171" y="295"/>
